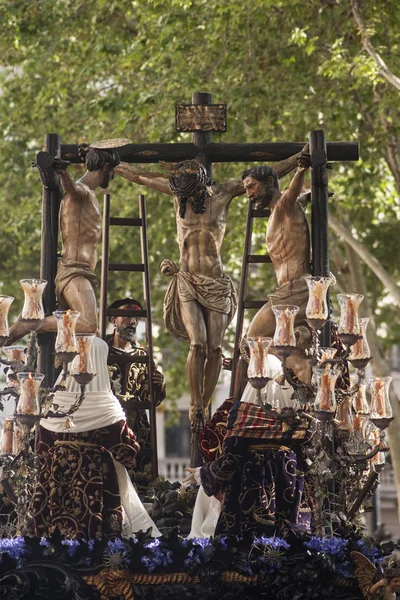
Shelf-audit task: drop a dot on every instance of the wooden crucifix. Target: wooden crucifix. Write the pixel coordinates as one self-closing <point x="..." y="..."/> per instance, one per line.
<point x="206" y="351"/>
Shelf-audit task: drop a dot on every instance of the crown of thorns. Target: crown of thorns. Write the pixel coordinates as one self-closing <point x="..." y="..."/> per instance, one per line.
<point x="186" y="188"/>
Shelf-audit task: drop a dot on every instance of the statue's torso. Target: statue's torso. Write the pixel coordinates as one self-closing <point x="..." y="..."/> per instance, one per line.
<point x="200" y="236"/>
<point x="80" y="226"/>
<point x="288" y="242"/>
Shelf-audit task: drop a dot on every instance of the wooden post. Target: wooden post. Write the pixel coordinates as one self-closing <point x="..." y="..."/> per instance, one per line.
<point x="48" y="261"/>
<point x="319" y="213"/>
<point x="149" y="338"/>
<point x="201" y="139"/>
<point x="104" y="266"/>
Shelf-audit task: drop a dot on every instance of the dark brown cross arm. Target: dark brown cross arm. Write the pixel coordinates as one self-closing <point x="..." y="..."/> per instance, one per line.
<point x="268" y="151"/>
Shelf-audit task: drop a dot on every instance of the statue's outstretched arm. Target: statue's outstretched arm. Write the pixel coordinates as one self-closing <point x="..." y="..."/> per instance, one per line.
<point x="74" y="190"/>
<point x="296" y="185"/>
<point x="143" y="177"/>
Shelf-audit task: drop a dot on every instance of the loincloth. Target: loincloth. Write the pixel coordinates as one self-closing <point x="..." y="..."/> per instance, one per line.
<point x="67" y="270"/>
<point x="293" y="292"/>
<point x="215" y="294"/>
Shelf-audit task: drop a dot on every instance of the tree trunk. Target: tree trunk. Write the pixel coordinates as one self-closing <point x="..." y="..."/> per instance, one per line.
<point x="343" y="232"/>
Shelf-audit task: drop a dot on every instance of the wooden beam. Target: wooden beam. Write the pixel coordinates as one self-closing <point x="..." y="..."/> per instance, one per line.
<point x="260" y="152"/>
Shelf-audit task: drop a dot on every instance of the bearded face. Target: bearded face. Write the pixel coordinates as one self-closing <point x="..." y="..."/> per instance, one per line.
<point x="259" y="192"/>
<point x="126" y="326"/>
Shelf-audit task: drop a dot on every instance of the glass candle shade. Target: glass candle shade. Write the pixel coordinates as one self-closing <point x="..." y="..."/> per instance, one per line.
<point x="349" y="305"/>
<point x="20" y="438"/>
<point x="66" y="345"/>
<point x="33" y="305"/>
<point x="380" y="402"/>
<point x="360" y="403"/>
<point x="284" y="328"/>
<point x="326" y="380"/>
<point x="358" y="423"/>
<point x="360" y="350"/>
<point x="258" y="364"/>
<point x="5" y="303"/>
<point x="7" y="437"/>
<point x="82" y="367"/>
<point x="344" y="415"/>
<point x="317" y="310"/>
<point x="374" y="441"/>
<point x="28" y="402"/>
<point x="325" y="354"/>
<point x="15" y="353"/>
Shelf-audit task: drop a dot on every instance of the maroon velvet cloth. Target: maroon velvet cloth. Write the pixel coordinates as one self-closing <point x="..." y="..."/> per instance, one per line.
<point x="77" y="489"/>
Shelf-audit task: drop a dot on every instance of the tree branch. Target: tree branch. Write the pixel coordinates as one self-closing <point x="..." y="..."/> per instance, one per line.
<point x="370" y="260"/>
<point x="378" y="60"/>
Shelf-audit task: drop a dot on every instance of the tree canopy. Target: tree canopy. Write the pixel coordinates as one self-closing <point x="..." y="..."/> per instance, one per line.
<point x="92" y="70"/>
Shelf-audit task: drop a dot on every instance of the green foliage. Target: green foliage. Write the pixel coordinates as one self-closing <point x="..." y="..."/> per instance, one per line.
<point x="92" y="70"/>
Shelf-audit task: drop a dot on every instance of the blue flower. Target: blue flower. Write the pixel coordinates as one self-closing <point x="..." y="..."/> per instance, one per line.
<point x="15" y="547"/>
<point x="367" y="548"/>
<point x="72" y="546"/>
<point x="161" y="557"/>
<point x="333" y="546"/>
<point x="115" y="555"/>
<point x="44" y="542"/>
<point x="201" y="552"/>
<point x="271" y="552"/>
<point x="272" y="542"/>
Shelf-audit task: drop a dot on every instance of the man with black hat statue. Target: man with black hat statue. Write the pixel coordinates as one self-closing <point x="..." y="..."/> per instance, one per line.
<point x="129" y="381"/>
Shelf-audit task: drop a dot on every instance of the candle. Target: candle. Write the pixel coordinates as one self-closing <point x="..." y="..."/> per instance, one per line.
<point x="7" y="439"/>
<point x="82" y="363"/>
<point x="380" y="403"/>
<point x="379" y="395"/>
<point x="33" y="305"/>
<point x="15" y="353"/>
<point x="349" y="304"/>
<point x="258" y="364"/>
<point x="360" y="349"/>
<point x="360" y="403"/>
<point x="344" y="414"/>
<point x="19" y="438"/>
<point x="66" y="339"/>
<point x="357" y="423"/>
<point x="5" y="303"/>
<point x="28" y="403"/>
<point x="325" y="389"/>
<point x="284" y="330"/>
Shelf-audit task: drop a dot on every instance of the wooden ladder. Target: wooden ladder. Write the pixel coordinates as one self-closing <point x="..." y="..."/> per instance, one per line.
<point x="243" y="303"/>
<point x="143" y="267"/>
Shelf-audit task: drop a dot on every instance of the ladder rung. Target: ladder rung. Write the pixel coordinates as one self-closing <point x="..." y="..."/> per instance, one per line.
<point x="260" y="212"/>
<point x="258" y="258"/>
<point x="126" y="221"/>
<point x="126" y="312"/>
<point x="254" y="303"/>
<point x="125" y="267"/>
<point x="121" y="359"/>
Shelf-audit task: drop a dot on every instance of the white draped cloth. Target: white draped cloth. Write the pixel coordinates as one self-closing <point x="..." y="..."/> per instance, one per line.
<point x="100" y="408"/>
<point x="207" y="509"/>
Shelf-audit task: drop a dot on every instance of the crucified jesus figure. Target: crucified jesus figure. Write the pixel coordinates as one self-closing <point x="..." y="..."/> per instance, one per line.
<point x="200" y="301"/>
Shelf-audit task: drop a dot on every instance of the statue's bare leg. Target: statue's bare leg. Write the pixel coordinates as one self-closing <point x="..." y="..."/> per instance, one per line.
<point x="78" y="295"/>
<point x="263" y="324"/>
<point x="193" y="320"/>
<point x="216" y="324"/>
